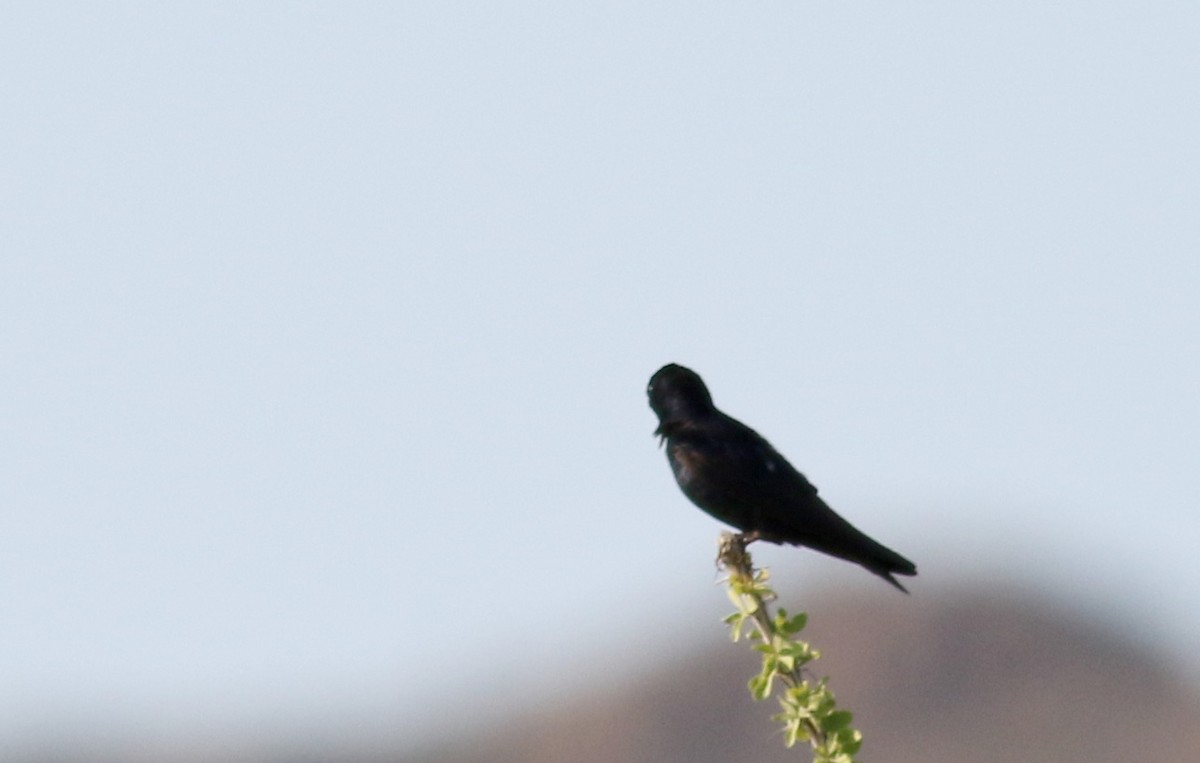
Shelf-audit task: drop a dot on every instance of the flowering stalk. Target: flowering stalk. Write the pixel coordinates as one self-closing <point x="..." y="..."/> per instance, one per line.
<point x="809" y="711"/>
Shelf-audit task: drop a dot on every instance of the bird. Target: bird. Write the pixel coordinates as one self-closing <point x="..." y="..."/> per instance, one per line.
<point x="736" y="476"/>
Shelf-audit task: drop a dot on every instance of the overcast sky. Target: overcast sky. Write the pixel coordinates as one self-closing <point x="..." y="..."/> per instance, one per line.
<point x="325" y="329"/>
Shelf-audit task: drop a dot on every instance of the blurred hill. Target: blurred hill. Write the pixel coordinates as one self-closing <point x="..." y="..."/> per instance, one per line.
<point x="970" y="678"/>
<point x="973" y="677"/>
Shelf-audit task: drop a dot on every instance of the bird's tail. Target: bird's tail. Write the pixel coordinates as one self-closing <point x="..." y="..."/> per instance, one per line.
<point x="876" y="558"/>
<point x="897" y="565"/>
<point x="837" y="537"/>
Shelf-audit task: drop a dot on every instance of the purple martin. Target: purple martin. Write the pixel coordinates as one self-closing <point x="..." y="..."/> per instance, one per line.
<point x="733" y="474"/>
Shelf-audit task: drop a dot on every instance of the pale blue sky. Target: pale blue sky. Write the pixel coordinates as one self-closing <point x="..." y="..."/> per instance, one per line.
<point x="326" y="329"/>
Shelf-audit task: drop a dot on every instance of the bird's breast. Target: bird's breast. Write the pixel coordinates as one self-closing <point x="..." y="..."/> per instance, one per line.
<point x="693" y="472"/>
<point x="685" y="462"/>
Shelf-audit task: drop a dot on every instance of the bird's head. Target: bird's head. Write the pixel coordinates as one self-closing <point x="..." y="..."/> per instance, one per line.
<point x="677" y="394"/>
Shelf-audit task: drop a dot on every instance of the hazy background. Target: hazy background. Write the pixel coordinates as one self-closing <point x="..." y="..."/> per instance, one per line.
<point x="325" y="331"/>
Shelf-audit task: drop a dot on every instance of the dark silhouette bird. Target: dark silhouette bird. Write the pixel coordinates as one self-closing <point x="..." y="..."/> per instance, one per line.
<point x="732" y="473"/>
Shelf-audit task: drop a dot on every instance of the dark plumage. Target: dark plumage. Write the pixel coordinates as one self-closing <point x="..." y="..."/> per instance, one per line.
<point x="731" y="472"/>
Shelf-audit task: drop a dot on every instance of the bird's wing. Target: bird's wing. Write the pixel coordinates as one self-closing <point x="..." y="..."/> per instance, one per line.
<point x="728" y="468"/>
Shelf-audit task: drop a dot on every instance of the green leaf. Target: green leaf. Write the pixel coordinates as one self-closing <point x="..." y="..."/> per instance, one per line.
<point x="797" y="623"/>
<point x="736" y="597"/>
<point x="790" y="736"/>
<point x="837" y="720"/>
<point x="854" y="744"/>
<point x="760" y="687"/>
